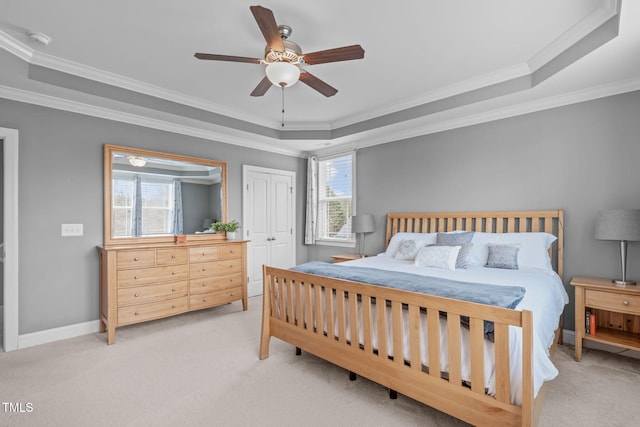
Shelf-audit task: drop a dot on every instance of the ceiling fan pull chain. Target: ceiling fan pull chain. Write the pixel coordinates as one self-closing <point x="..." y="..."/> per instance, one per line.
<point x="282" y="86"/>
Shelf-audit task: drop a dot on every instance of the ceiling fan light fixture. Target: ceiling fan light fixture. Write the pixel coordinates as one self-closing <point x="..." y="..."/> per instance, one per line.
<point x="137" y="161"/>
<point x="283" y="74"/>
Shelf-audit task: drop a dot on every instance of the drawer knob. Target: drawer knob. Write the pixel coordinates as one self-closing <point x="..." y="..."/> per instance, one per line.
<point x="204" y="300"/>
<point x="173" y="290"/>
<point x="136" y="313"/>
<point x="136" y="295"/>
<point x="173" y="306"/>
<point x="136" y="259"/>
<point x="136" y="277"/>
<point x="202" y="253"/>
<point x="173" y="256"/>
<point x="204" y="269"/>
<point x="625" y="302"/>
<point x="173" y="273"/>
<point x="204" y="285"/>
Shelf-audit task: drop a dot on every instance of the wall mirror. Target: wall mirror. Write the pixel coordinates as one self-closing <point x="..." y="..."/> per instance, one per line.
<point x="150" y="197"/>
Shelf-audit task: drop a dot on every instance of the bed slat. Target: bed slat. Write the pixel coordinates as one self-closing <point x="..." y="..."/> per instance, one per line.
<point x="433" y="326"/>
<point x="414" y="337"/>
<point x="396" y="322"/>
<point x="476" y="333"/>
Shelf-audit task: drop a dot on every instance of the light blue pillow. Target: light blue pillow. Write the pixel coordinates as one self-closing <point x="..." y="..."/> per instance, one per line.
<point x="503" y="256"/>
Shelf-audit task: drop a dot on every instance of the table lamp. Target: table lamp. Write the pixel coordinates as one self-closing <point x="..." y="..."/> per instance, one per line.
<point x="362" y="224"/>
<point x="622" y="225"/>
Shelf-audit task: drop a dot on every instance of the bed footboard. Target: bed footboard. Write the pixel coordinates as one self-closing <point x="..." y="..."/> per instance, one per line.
<point x="322" y="315"/>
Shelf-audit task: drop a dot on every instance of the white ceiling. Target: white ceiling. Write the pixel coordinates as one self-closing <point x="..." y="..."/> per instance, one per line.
<point x="416" y="53"/>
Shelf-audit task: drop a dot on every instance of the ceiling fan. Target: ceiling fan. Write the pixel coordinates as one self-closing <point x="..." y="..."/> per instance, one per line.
<point x="284" y="58"/>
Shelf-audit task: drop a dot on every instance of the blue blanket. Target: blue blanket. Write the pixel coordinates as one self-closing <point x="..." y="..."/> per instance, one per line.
<point x="500" y="296"/>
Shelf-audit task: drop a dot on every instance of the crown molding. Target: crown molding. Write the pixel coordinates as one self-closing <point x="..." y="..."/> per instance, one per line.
<point x="575" y="34"/>
<point x="15" y="47"/>
<point x="609" y="9"/>
<point x="586" y="26"/>
<point x="458" y="88"/>
<point x="429" y="125"/>
<point x="221" y="134"/>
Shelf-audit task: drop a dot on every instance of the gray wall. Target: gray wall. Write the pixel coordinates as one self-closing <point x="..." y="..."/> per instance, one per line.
<point x="60" y="181"/>
<point x="580" y="158"/>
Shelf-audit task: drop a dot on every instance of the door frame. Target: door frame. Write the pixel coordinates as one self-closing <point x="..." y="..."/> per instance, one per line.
<point x="246" y="169"/>
<point x="10" y="226"/>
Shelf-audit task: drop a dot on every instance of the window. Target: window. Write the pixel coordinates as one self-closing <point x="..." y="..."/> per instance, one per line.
<point x="157" y="207"/>
<point x="335" y="199"/>
<point x="148" y="199"/>
<point x="122" y="218"/>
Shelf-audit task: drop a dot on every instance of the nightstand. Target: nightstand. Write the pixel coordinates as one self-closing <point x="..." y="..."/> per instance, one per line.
<point x="346" y="257"/>
<point x="617" y="311"/>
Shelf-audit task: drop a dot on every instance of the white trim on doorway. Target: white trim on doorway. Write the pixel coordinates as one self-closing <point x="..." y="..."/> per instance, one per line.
<point x="10" y="224"/>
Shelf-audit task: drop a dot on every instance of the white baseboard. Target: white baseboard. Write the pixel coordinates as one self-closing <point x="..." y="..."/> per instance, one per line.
<point x="57" y="334"/>
<point x="569" y="337"/>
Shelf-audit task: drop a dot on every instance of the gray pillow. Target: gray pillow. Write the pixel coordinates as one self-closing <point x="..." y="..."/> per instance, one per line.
<point x="463" y="240"/>
<point x="454" y="239"/>
<point x="503" y="256"/>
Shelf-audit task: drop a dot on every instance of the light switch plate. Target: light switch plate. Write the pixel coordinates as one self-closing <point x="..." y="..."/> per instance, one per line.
<point x="71" y="230"/>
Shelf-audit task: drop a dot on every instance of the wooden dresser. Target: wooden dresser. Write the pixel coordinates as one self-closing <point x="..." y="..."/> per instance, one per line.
<point x="141" y="282"/>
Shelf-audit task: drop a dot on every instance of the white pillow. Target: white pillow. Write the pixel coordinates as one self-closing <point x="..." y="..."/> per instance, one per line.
<point x="534" y="248"/>
<point x="438" y="257"/>
<point x="430" y="239"/>
<point x="409" y="248"/>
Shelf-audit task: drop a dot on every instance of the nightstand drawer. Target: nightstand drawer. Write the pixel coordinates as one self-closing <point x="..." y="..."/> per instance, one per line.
<point x="621" y="303"/>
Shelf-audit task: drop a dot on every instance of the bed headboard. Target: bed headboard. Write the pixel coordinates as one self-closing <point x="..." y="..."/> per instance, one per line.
<point x="550" y="221"/>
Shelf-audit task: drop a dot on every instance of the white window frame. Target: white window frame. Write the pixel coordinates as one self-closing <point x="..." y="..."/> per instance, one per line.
<point x="350" y="242"/>
<point x="170" y="208"/>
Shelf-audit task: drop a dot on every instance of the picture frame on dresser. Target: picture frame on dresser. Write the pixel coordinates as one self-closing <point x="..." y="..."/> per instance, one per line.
<point x="146" y="275"/>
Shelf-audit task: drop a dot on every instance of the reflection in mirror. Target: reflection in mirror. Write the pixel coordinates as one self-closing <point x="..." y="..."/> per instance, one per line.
<point x="156" y="194"/>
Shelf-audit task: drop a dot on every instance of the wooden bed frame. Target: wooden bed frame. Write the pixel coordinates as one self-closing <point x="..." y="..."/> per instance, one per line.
<point x="292" y="305"/>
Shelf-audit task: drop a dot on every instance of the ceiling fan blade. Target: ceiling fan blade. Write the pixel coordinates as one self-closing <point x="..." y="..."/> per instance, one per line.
<point x="262" y="87"/>
<point x="214" y="57"/>
<point x="346" y="53"/>
<point x="317" y="84"/>
<point x="267" y="23"/>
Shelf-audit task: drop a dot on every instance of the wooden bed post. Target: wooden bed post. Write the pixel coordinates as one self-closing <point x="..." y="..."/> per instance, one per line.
<point x="265" y="335"/>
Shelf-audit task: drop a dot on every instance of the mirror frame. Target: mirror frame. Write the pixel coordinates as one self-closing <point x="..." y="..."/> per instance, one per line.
<point x="108" y="156"/>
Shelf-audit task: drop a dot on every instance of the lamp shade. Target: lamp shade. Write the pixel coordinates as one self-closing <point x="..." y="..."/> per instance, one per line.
<point x="362" y="224"/>
<point x="283" y="73"/>
<point x="618" y="224"/>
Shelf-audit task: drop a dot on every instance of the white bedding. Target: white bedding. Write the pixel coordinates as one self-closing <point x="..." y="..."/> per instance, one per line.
<point x="545" y="296"/>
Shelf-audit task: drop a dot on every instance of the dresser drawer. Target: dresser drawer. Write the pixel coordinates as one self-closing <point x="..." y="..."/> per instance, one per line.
<point x="152" y="293"/>
<point x="214" y="283"/>
<point x="154" y="310"/>
<point x="205" y="269"/>
<point x="203" y="254"/>
<point x="621" y="303"/>
<point x="147" y="276"/>
<point x="171" y="256"/>
<point x="212" y="299"/>
<point x="229" y="251"/>
<point x="135" y="259"/>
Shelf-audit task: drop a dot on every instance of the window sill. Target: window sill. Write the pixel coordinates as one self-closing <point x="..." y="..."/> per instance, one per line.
<point x="341" y="243"/>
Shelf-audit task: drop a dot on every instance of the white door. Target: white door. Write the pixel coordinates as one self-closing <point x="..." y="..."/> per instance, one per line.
<point x="269" y="218"/>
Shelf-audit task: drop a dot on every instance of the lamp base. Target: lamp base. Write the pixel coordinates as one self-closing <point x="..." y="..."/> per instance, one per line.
<point x="624" y="282"/>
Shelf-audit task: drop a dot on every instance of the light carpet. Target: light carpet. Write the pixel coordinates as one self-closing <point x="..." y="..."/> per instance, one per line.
<point x="202" y="369"/>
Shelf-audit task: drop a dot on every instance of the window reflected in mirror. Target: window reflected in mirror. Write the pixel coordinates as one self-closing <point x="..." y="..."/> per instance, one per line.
<point x="156" y="194"/>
